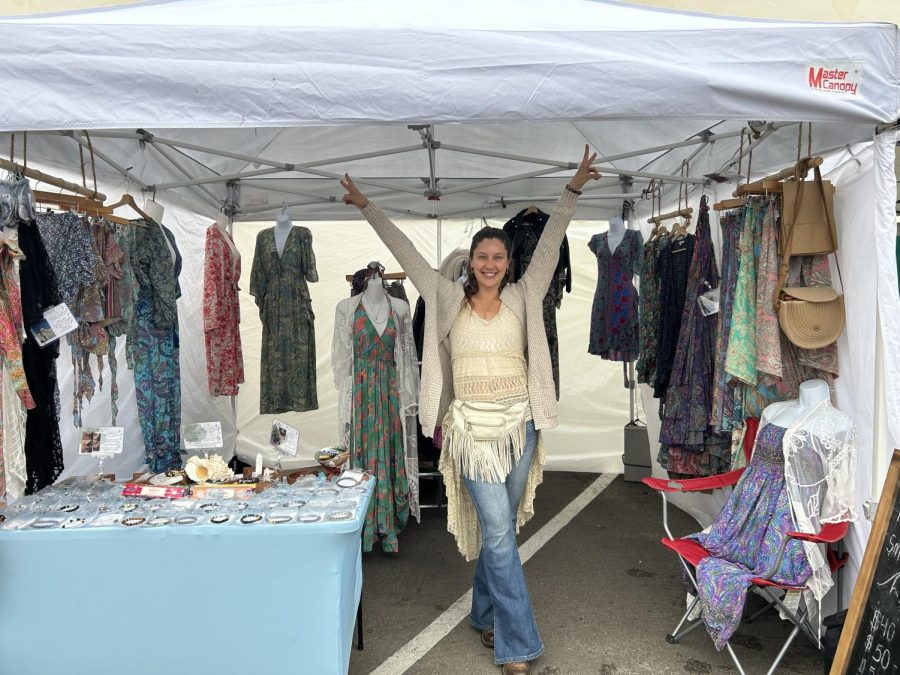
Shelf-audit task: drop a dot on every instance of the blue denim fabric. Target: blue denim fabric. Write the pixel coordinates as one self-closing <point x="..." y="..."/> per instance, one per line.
<point x="500" y="598"/>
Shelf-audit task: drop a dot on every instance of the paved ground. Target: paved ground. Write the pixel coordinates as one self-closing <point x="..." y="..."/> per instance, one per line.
<point x="605" y="594"/>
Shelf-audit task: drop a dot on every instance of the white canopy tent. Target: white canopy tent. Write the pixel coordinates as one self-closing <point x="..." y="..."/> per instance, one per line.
<point x="447" y="115"/>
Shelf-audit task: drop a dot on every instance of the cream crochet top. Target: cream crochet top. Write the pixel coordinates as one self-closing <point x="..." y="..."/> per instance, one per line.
<point x="488" y="357"/>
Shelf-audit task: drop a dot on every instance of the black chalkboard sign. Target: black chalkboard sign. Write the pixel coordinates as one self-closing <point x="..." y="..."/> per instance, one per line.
<point x="870" y="641"/>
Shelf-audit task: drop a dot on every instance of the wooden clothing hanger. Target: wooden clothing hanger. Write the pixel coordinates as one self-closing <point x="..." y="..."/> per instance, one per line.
<point x="127" y="200"/>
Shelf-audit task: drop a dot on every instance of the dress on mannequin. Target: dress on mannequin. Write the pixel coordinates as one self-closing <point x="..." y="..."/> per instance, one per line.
<point x="377" y="379"/>
<point x="783" y="489"/>
<point x="278" y="282"/>
<point x="614" y="315"/>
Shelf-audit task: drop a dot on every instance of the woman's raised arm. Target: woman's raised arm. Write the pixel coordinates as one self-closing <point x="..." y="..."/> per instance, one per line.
<point x="420" y="273"/>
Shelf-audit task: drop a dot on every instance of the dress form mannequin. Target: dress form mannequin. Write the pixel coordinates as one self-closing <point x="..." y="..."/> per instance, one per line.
<point x="786" y="413"/>
<point x="283" y="227"/>
<point x="222" y="224"/>
<point x="376" y="302"/>
<point x="156" y="211"/>
<point x="616" y="233"/>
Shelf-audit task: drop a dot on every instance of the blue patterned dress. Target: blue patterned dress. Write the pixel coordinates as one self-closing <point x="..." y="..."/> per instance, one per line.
<point x="614" y="315"/>
<point x="152" y="345"/>
<point x="745" y="538"/>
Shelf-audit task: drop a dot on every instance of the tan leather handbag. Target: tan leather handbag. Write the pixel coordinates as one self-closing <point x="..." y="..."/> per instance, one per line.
<point x="810" y="316"/>
<point x="808" y="214"/>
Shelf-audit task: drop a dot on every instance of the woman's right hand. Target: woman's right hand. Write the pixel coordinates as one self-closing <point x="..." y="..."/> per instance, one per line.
<point x="353" y="196"/>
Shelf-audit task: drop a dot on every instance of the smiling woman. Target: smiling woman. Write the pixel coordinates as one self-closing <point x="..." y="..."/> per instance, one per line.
<point x="492" y="392"/>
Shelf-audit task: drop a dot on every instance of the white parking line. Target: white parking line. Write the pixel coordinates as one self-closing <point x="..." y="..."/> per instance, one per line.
<point x="410" y="653"/>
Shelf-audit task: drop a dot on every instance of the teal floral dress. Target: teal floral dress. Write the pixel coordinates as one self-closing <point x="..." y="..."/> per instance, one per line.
<point x="377" y="436"/>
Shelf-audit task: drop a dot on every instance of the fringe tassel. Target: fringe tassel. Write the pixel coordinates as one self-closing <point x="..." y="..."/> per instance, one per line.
<point x="488" y="461"/>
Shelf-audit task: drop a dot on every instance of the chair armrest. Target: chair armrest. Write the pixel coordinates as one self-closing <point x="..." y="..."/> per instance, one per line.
<point x="694" y="484"/>
<point x="830" y="533"/>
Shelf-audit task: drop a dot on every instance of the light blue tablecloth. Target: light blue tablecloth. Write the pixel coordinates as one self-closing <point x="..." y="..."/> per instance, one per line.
<point x="193" y="600"/>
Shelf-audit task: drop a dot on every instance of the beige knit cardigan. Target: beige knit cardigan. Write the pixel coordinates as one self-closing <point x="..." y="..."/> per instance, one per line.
<point x="444" y="298"/>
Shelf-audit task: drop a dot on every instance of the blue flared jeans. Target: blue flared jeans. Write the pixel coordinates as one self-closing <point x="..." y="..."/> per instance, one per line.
<point x="500" y="598"/>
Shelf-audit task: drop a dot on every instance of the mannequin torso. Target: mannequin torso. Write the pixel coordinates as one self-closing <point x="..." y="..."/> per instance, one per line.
<point x="222" y="224"/>
<point x="616" y="233"/>
<point x="283" y="227"/>
<point x="156" y="211"/>
<point x="787" y="413"/>
<point x="376" y="302"/>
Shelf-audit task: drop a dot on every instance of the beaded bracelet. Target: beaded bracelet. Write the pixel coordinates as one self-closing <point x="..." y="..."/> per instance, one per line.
<point x="250" y="518"/>
<point x="131" y="521"/>
<point x="572" y="190"/>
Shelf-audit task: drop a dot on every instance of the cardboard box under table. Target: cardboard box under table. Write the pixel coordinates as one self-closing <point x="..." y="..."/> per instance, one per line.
<point x="205" y="599"/>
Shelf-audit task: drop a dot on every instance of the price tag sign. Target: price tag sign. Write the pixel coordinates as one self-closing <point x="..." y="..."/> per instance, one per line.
<point x="202" y="435"/>
<point x="57" y="321"/>
<point x="101" y="442"/>
<point x="285" y="438"/>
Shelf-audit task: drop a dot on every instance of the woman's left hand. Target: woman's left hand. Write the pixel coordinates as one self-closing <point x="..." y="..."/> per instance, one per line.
<point x="586" y="171"/>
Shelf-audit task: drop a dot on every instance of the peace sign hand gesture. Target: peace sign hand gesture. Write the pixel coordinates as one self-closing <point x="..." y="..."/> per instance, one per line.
<point x="353" y="196"/>
<point x="586" y="171"/>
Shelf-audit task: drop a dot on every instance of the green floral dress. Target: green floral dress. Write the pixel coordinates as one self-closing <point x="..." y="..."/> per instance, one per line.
<point x="377" y="436"/>
<point x="287" y="377"/>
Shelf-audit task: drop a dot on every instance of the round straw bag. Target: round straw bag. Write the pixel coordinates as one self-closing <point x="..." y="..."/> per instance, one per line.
<point x="811" y="317"/>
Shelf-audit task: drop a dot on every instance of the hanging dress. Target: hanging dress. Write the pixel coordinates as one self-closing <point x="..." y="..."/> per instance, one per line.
<point x="614" y="315"/>
<point x="649" y="305"/>
<point x="688" y="441"/>
<point x="672" y="265"/>
<point x="222" y="314"/>
<point x="43" y="444"/>
<point x="524" y="231"/>
<point x="153" y="346"/>
<point x="279" y="285"/>
<point x="377" y="431"/>
<point x="732" y="222"/>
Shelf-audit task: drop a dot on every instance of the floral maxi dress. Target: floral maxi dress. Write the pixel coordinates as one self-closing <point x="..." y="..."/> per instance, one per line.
<point x="377" y="436"/>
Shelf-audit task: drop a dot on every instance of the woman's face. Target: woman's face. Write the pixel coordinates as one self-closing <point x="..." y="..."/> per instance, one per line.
<point x="489" y="262"/>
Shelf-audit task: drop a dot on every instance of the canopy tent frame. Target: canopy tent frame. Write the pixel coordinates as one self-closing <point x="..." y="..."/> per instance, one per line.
<point x="162" y="145"/>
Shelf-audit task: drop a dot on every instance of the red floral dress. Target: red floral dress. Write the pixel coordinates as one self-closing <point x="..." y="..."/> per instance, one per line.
<point x="221" y="315"/>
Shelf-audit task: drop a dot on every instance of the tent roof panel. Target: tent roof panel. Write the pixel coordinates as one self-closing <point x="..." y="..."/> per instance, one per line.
<point x="213" y="63"/>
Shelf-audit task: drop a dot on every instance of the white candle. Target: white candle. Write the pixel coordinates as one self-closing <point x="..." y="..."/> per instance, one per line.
<point x="259" y="466"/>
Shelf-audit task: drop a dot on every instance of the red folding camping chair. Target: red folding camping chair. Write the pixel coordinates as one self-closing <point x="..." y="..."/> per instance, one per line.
<point x="690" y="553"/>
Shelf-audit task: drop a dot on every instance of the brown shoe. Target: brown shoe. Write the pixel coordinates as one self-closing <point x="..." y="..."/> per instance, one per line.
<point x="520" y="668"/>
<point x="487" y="638"/>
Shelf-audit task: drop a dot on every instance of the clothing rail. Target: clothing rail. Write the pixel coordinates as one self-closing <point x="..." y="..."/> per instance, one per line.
<point x="51" y="180"/>
<point x="683" y="213"/>
<point x="801" y="168"/>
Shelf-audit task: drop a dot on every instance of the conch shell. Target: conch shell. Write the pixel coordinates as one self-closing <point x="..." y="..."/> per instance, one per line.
<point x="203" y="469"/>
